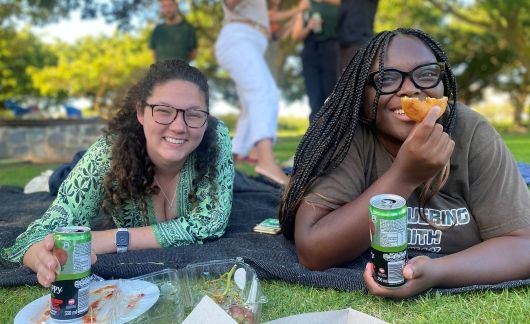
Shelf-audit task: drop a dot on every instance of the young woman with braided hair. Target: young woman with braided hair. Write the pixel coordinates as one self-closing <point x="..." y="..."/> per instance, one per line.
<point x="163" y="172"/>
<point x="464" y="194"/>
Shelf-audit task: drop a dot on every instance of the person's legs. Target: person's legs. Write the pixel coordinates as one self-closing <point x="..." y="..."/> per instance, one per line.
<point x="266" y="165"/>
<point x="233" y="50"/>
<point x="327" y="59"/>
<point x="239" y="141"/>
<point x="345" y="55"/>
<point x="258" y="94"/>
<point x="311" y="74"/>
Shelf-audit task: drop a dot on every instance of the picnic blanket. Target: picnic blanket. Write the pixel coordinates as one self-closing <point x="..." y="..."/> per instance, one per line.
<point x="524" y="169"/>
<point x="255" y="199"/>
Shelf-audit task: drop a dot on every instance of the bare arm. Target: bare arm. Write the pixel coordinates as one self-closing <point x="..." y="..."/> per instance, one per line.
<point x="325" y="238"/>
<point x="492" y="261"/>
<point x="300" y="31"/>
<point x="139" y="238"/>
<point x="332" y="2"/>
<point x="279" y="16"/>
<point x="282" y="15"/>
<point x="342" y="234"/>
<point x="231" y="4"/>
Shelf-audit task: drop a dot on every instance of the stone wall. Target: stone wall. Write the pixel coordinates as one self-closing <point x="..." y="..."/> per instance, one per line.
<point x="47" y="140"/>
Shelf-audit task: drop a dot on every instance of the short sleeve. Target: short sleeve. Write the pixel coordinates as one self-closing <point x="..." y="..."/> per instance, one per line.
<point x="499" y="198"/>
<point x="344" y="183"/>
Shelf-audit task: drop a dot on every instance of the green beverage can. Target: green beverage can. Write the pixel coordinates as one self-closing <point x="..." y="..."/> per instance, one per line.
<point x="388" y="236"/>
<point x="70" y="291"/>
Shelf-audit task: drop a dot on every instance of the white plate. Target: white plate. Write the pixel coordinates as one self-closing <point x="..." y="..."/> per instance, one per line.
<point x="135" y="298"/>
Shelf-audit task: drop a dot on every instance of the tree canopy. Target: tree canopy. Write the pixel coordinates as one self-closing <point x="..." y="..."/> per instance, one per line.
<point x="486" y="41"/>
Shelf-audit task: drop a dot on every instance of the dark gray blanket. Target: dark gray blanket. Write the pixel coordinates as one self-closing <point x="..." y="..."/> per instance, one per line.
<point x="255" y="199"/>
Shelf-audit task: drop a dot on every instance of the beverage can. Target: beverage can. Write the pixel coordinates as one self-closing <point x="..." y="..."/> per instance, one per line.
<point x="318" y="28"/>
<point x="388" y="236"/>
<point x="70" y="291"/>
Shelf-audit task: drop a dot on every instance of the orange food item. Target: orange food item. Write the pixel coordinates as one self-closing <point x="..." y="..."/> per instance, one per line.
<point x="417" y="109"/>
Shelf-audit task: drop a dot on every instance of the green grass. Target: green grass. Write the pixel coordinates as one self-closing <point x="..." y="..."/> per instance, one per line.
<point x="284" y="148"/>
<point x="519" y="144"/>
<point x="18" y="174"/>
<point x="504" y="306"/>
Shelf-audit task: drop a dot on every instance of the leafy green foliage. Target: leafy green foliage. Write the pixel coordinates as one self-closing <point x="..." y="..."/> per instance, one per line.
<point x="94" y="67"/>
<point x="19" y="51"/>
<point x="486" y="40"/>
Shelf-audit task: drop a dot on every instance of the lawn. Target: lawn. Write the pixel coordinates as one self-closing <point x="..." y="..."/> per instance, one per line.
<point x="505" y="306"/>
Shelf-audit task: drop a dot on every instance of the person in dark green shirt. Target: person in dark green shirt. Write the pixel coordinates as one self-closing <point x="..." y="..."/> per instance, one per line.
<point x="175" y="38"/>
<point x="317" y="27"/>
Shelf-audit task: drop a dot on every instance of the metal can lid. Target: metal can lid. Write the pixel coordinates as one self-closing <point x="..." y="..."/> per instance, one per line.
<point x="72" y="229"/>
<point x="387" y="201"/>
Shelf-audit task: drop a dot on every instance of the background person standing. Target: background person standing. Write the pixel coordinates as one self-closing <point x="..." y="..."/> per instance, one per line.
<point x="174" y="38"/>
<point x="240" y="49"/>
<point x="356" y="26"/>
<point x="317" y="27"/>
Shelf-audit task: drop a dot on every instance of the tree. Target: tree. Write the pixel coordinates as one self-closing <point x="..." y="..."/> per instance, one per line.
<point x="205" y="15"/>
<point x="43" y="12"/>
<point x="509" y="23"/>
<point x="95" y="68"/>
<point x="486" y="42"/>
<point x="18" y="52"/>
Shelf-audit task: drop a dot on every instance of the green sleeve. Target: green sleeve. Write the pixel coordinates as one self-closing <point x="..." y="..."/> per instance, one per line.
<point x="78" y="200"/>
<point x="208" y="220"/>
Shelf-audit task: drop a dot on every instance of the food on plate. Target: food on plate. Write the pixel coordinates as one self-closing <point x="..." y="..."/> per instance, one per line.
<point x="417" y="109"/>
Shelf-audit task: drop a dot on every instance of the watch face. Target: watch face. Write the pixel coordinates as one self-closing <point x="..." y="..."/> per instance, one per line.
<point x="122" y="238"/>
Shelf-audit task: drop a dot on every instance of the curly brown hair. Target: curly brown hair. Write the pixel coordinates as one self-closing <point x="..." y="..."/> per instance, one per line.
<point x="328" y="139"/>
<point x="132" y="172"/>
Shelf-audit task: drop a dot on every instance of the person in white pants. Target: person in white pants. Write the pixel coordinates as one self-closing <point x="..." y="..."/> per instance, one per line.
<point x="240" y="50"/>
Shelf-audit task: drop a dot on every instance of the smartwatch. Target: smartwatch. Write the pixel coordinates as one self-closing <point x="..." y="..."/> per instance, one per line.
<point x="122" y="240"/>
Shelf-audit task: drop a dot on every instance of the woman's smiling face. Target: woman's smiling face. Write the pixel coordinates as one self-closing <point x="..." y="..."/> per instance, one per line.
<point x="168" y="146"/>
<point x="404" y="53"/>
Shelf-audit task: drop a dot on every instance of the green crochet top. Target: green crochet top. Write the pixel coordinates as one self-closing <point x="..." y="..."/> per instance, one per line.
<point x="81" y="195"/>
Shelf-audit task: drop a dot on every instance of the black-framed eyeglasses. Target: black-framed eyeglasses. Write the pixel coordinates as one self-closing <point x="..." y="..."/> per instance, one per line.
<point x="425" y="76"/>
<point x="165" y="115"/>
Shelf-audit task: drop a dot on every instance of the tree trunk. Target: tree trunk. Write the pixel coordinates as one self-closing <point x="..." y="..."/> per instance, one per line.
<point x="518" y="101"/>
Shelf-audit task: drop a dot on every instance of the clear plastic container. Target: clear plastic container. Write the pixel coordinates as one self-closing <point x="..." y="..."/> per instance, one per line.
<point x="231" y="283"/>
<point x="170" y="307"/>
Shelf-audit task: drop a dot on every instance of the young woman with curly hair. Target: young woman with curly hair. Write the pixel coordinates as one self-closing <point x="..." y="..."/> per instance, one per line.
<point x="466" y="199"/>
<point x="163" y="172"/>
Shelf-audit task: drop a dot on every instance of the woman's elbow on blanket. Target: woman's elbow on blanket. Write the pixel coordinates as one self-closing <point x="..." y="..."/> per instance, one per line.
<point x="310" y="258"/>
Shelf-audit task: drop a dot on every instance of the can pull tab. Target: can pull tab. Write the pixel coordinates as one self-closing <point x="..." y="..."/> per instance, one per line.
<point x="387" y="203"/>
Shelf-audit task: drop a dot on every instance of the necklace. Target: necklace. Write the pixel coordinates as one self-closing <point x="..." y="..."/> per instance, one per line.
<point x="172" y="201"/>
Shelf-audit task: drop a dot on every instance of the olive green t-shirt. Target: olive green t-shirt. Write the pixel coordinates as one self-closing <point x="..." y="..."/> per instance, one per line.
<point x="173" y="41"/>
<point x="485" y="195"/>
